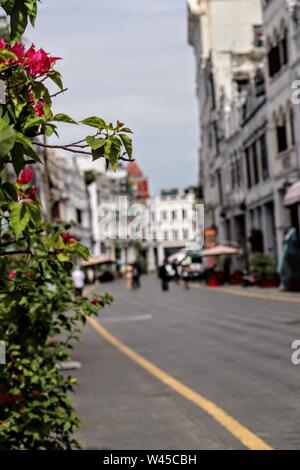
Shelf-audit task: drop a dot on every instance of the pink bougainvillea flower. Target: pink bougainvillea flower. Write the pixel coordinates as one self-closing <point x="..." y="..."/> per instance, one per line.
<point x="67" y="238"/>
<point x="29" y="196"/>
<point x="39" y="108"/>
<point x="31" y="192"/>
<point x="25" y="175"/>
<point x="19" y="50"/>
<point x="2" y="44"/>
<point x="12" y="275"/>
<point x="31" y="96"/>
<point x="38" y="61"/>
<point x="54" y="59"/>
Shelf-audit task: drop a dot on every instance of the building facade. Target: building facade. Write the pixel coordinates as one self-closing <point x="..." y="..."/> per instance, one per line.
<point x="249" y="146"/>
<point x="63" y="194"/>
<point x="282" y="62"/>
<point x="172" y="224"/>
<point x="221" y="34"/>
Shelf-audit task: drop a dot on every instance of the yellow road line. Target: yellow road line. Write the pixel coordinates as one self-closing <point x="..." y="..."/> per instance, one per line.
<point x="241" y="293"/>
<point x="242" y="434"/>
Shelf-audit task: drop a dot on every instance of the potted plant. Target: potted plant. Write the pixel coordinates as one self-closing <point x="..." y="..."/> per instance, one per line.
<point x="264" y="270"/>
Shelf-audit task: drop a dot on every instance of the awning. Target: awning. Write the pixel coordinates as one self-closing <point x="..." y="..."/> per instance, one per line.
<point x="220" y="250"/>
<point x="97" y="260"/>
<point x="292" y="195"/>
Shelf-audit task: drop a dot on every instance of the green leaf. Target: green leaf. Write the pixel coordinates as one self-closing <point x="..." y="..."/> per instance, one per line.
<point x="115" y="153"/>
<point x="62" y="257"/>
<point x="5" y="54"/>
<point x="32" y="121"/>
<point x="31" y="6"/>
<point x="127" y="142"/>
<point x="35" y="214"/>
<point x="27" y="146"/>
<point x="10" y="190"/>
<point x="7" y="5"/>
<point x="50" y="129"/>
<point x="41" y="92"/>
<point x="95" y="144"/>
<point x="17" y="156"/>
<point x="64" y="118"/>
<point x="98" y="153"/>
<point x="95" y="122"/>
<point x="56" y="78"/>
<point x="18" y="19"/>
<point x="7" y="140"/>
<point x="19" y="102"/>
<point x="19" y="217"/>
<point x="108" y="144"/>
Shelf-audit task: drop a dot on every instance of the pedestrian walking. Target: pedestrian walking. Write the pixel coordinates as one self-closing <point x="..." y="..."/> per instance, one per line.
<point x="129" y="276"/>
<point x="78" y="278"/>
<point x="136" y="277"/>
<point x="186" y="276"/>
<point x="164" y="276"/>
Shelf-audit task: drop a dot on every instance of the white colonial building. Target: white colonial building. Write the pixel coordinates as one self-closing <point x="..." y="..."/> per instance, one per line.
<point x="221" y="34"/>
<point x="281" y="55"/>
<point x="64" y="196"/>
<point x="247" y="59"/>
<point x="173" y="222"/>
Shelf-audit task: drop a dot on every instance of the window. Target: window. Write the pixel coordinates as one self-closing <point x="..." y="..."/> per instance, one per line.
<point x="220" y="187"/>
<point x="175" y="234"/>
<point x="282" y="144"/>
<point x="233" y="181"/>
<point x="264" y="157"/>
<point x="255" y="163"/>
<point x="274" y="60"/>
<point x="278" y="55"/>
<point x="248" y="167"/>
<point x="284" y="56"/>
<point x="292" y="126"/>
<point x="164" y="215"/>
<point x="238" y="173"/>
<point x="184" y="214"/>
<point x="185" y="234"/>
<point x="79" y="216"/>
<point x="174" y="215"/>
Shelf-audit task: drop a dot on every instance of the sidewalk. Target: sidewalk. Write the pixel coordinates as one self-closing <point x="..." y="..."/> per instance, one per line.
<point x="257" y="292"/>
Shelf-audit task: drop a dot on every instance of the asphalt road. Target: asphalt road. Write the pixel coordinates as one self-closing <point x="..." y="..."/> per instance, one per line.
<point x="235" y="351"/>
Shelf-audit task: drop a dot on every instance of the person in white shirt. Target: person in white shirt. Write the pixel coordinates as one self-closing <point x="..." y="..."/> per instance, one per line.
<point x="78" y="278"/>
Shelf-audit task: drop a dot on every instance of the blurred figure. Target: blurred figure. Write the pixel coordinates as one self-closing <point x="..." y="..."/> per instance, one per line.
<point x="129" y="276"/>
<point x="90" y="274"/>
<point x="176" y="273"/>
<point x="78" y="280"/>
<point x="289" y="265"/>
<point x="164" y="275"/>
<point x="136" y="276"/>
<point x="186" y="276"/>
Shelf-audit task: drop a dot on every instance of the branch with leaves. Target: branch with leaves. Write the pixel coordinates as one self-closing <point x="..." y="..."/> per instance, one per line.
<point x="37" y="299"/>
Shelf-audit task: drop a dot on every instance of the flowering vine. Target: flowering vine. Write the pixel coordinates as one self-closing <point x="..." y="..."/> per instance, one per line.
<point x="37" y="301"/>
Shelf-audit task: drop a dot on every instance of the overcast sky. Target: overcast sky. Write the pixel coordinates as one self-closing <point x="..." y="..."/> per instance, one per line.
<point x="129" y="60"/>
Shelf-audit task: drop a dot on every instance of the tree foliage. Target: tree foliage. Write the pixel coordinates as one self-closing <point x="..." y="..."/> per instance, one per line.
<point x="39" y="313"/>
